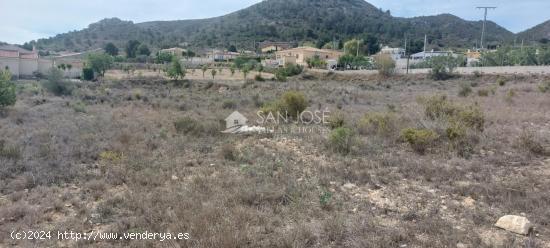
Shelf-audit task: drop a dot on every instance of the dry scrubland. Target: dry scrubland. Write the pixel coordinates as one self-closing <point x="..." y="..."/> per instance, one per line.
<point x="407" y="168"/>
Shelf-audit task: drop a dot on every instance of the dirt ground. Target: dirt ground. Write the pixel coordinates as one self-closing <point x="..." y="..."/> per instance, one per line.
<point x="192" y="74"/>
<point x="147" y="154"/>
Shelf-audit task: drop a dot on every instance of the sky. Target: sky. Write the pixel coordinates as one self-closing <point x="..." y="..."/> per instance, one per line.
<point x="26" y="20"/>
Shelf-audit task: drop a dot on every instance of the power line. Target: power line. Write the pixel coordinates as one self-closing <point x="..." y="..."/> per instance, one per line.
<point x="484" y="24"/>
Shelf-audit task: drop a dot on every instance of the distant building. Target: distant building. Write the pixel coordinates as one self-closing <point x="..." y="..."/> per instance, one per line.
<point x="395" y="53"/>
<point x="218" y="55"/>
<point x="300" y="55"/>
<point x="20" y="62"/>
<point x="23" y="63"/>
<point x="269" y="46"/>
<point x="175" y="51"/>
<point x="473" y="57"/>
<point x="196" y="61"/>
<point x="431" y="54"/>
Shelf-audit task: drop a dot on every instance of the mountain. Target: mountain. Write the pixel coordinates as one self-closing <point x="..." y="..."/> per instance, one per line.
<point x="318" y="21"/>
<point x="540" y="33"/>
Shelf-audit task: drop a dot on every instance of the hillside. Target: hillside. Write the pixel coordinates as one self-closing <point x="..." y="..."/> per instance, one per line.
<point x="539" y="33"/>
<point x="319" y="21"/>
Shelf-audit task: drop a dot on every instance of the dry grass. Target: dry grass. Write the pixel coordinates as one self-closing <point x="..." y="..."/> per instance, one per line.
<point x="147" y="154"/>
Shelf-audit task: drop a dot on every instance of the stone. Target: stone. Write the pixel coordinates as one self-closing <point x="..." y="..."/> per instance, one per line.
<point x="515" y="224"/>
<point x="174" y="178"/>
<point x="461" y="245"/>
<point x="349" y="186"/>
<point x="469" y="202"/>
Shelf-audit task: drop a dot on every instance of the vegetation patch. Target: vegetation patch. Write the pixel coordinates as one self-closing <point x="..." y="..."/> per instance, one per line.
<point x="419" y="139"/>
<point x="378" y="123"/>
<point x="58" y="85"/>
<point x="291" y="104"/>
<point x="341" y="140"/>
<point x="7" y="90"/>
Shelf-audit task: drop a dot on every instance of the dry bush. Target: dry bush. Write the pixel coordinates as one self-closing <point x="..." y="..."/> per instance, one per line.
<point x="419" y="139"/>
<point x="385" y="65"/>
<point x="336" y="121"/>
<point x="483" y="92"/>
<point x="229" y="152"/>
<point x="529" y="142"/>
<point x="461" y="125"/>
<point x="342" y="140"/>
<point x="465" y="90"/>
<point x="377" y="123"/>
<point x="544" y="87"/>
<point x="188" y="125"/>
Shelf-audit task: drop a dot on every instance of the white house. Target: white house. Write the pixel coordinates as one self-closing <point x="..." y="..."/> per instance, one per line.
<point x="395" y="53"/>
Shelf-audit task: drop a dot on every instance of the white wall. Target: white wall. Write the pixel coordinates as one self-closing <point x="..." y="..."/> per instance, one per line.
<point x="12" y="63"/>
<point x="27" y="67"/>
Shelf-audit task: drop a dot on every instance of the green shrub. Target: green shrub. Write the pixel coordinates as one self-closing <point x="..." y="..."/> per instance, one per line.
<point x="57" y="85"/>
<point x="259" y="78"/>
<point x="341" y="140"/>
<point x="280" y="76"/>
<point x="501" y="81"/>
<point x="99" y="62"/>
<point x="419" y="139"/>
<point x="288" y="71"/>
<point x="188" y="125"/>
<point x="316" y="62"/>
<point x="437" y="107"/>
<point x="87" y="74"/>
<point x="7" y="90"/>
<point x="455" y="131"/>
<point x="293" y="70"/>
<point x="483" y="92"/>
<point x="465" y="90"/>
<point x="376" y="123"/>
<point x="325" y="198"/>
<point x="291" y="103"/>
<point x="471" y="117"/>
<point x="443" y="67"/>
<point x="294" y="103"/>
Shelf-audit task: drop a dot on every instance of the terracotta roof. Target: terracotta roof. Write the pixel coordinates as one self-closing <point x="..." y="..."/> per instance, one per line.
<point x="14" y="48"/>
<point x="311" y="49"/>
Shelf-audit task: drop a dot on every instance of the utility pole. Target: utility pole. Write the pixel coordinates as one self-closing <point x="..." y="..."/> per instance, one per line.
<point x="425" y="43"/>
<point x="484" y="24"/>
<point x="406" y="45"/>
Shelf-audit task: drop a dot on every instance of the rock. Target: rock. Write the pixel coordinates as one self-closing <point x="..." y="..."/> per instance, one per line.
<point x="461" y="245"/>
<point x="469" y="202"/>
<point x="349" y="186"/>
<point x="174" y="178"/>
<point x="515" y="224"/>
